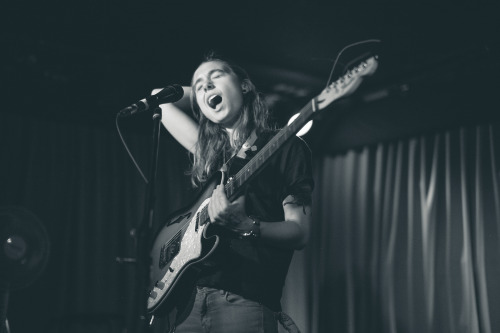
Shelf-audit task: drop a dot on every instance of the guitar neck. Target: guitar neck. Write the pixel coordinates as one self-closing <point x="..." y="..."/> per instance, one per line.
<point x="234" y="187"/>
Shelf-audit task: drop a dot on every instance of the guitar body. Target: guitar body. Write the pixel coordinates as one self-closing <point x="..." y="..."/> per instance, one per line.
<point x="178" y="246"/>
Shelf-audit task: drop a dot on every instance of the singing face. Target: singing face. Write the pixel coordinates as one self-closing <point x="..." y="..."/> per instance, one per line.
<point x="218" y="93"/>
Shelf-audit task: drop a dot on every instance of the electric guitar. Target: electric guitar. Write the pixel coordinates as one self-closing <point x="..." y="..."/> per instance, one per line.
<point x="183" y="241"/>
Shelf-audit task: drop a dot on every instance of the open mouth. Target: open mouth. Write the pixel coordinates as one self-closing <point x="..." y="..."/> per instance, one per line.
<point x="214" y="100"/>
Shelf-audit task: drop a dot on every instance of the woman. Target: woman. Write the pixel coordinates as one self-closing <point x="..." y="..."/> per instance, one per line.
<point x="240" y="284"/>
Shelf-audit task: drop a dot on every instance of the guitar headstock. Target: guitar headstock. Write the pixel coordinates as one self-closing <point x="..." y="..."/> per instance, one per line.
<point x="348" y="83"/>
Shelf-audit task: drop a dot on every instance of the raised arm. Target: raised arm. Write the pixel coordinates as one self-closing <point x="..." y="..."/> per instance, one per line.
<point x="175" y="119"/>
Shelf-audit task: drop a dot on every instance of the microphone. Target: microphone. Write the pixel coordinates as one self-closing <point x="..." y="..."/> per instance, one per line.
<point x="169" y="94"/>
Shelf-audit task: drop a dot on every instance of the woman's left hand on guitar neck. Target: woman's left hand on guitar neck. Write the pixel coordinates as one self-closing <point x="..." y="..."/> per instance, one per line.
<point x="231" y="215"/>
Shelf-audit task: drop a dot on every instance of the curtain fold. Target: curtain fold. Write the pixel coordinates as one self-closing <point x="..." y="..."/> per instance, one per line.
<point x="406" y="236"/>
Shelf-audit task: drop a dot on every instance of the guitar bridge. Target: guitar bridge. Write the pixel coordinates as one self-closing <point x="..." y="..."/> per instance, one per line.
<point x="169" y="251"/>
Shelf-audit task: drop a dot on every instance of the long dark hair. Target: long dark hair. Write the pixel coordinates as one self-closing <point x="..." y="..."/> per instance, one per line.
<point x="214" y="143"/>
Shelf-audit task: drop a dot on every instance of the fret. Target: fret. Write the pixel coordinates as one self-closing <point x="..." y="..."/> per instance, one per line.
<point x="293" y="125"/>
<point x="278" y="138"/>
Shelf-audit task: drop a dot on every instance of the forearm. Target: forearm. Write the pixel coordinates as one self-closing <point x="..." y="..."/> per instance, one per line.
<point x="284" y="234"/>
<point x="176" y="120"/>
<point x="185" y="102"/>
<point x="292" y="233"/>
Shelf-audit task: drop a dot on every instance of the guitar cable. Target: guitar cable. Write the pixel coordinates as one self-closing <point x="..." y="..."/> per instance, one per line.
<point x="128" y="150"/>
<point x="342" y="51"/>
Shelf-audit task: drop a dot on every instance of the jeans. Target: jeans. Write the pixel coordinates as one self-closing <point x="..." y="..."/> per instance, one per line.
<point x="218" y="311"/>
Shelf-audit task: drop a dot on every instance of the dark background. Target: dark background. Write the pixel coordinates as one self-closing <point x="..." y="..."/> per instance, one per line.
<point x="85" y="60"/>
<point x="67" y="68"/>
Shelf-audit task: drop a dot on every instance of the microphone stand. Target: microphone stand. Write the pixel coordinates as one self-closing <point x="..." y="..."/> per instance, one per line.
<point x="4" y="302"/>
<point x="143" y="235"/>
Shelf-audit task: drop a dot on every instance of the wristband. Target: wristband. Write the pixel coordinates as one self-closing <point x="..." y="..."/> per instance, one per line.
<point x="255" y="231"/>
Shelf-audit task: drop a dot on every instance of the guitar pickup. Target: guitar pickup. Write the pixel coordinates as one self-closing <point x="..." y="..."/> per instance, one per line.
<point x="197" y="224"/>
<point x="160" y="285"/>
<point x="153" y="294"/>
<point x="169" y="251"/>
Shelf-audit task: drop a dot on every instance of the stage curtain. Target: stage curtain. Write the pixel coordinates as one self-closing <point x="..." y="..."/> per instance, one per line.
<point x="79" y="181"/>
<point x="405" y="235"/>
<point x="405" y="238"/>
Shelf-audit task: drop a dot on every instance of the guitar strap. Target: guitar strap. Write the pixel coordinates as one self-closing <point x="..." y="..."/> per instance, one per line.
<point x="247" y="145"/>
